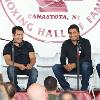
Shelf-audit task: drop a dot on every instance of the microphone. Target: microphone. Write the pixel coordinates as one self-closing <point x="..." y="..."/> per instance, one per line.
<point x="4" y="39"/>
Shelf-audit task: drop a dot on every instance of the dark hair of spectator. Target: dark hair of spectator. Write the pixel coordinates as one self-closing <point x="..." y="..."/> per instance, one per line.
<point x="50" y="83"/>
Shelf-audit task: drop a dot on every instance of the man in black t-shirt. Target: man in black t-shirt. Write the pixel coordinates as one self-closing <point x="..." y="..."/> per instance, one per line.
<point x="21" y="59"/>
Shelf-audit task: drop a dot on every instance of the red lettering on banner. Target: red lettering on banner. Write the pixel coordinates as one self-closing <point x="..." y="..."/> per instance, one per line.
<point x="41" y="32"/>
<point x="75" y="17"/>
<point x="94" y="14"/>
<point x="81" y="26"/>
<point x="97" y="8"/>
<point x="51" y="33"/>
<point x="53" y="25"/>
<point x="11" y="5"/>
<point x="15" y="13"/>
<point x="40" y="16"/>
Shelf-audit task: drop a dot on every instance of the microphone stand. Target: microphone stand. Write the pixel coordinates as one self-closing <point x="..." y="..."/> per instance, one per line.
<point x="4" y="39"/>
<point x="13" y="61"/>
<point x="12" y="55"/>
<point x="78" y="69"/>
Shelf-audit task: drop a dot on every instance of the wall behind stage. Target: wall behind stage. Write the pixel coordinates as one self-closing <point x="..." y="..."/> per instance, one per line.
<point x="45" y="22"/>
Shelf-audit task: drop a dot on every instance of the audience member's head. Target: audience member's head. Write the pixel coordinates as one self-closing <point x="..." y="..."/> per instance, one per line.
<point x="3" y="92"/>
<point x="50" y="83"/>
<point x="10" y="87"/>
<point x="37" y="92"/>
<point x="66" y="95"/>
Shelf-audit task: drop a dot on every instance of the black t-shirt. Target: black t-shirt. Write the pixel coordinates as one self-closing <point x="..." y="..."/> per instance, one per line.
<point x="21" y="53"/>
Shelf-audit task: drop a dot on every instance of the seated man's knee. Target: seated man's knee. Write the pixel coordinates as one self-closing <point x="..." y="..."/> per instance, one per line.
<point x="98" y="69"/>
<point x="55" y="67"/>
<point x="34" y="71"/>
<point x="87" y="68"/>
<point x="86" y="65"/>
<point x="10" y="70"/>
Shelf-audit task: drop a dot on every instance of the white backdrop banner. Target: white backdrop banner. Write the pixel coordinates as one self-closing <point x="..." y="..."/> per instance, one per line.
<point x="46" y="22"/>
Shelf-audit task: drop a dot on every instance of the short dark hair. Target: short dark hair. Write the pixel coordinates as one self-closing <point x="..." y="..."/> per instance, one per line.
<point x="50" y="83"/>
<point x="17" y="28"/>
<point x="73" y="26"/>
<point x="60" y="97"/>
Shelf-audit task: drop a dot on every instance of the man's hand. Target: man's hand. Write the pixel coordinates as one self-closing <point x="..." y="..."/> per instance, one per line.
<point x="29" y="66"/>
<point x="70" y="67"/>
<point x="73" y="65"/>
<point x="22" y="67"/>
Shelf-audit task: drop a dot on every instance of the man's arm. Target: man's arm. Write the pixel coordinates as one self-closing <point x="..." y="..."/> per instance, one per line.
<point x="67" y="66"/>
<point x="87" y="52"/>
<point x="9" y="62"/>
<point x="63" y="54"/>
<point x="32" y="58"/>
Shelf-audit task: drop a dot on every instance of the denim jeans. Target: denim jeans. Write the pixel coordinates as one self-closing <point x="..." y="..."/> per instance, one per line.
<point x="98" y="69"/>
<point x="13" y="72"/>
<point x="86" y="70"/>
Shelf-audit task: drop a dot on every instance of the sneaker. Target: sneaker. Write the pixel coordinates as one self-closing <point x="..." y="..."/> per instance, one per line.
<point x="82" y="89"/>
<point x="59" y="89"/>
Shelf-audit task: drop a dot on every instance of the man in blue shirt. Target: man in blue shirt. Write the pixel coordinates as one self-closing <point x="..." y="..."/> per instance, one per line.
<point x="24" y="58"/>
<point x="69" y="52"/>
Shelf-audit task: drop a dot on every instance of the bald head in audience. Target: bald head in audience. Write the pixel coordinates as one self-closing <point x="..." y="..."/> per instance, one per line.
<point x="67" y="95"/>
<point x="37" y="92"/>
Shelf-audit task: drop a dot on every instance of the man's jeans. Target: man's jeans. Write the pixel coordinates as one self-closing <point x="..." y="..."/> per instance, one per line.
<point x="13" y="72"/>
<point x="98" y="69"/>
<point x="86" y="70"/>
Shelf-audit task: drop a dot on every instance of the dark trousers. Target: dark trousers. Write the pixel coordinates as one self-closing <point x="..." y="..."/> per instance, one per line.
<point x="86" y="70"/>
<point x="13" y="72"/>
<point x="98" y="69"/>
